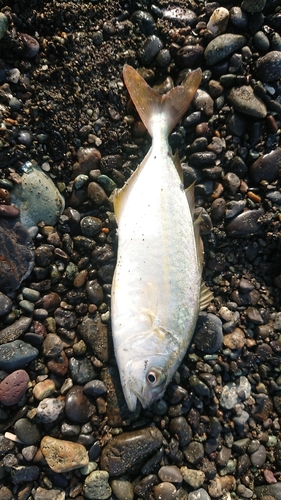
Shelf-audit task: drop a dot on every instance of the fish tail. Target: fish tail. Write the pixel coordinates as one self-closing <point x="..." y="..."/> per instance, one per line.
<point x="149" y="104"/>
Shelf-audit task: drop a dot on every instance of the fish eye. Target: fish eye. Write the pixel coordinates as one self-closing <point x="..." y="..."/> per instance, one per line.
<point x="155" y="377"/>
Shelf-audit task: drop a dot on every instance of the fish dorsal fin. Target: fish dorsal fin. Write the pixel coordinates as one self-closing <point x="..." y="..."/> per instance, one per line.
<point x="150" y="104"/>
<point x="206" y="296"/>
<point x="177" y="163"/>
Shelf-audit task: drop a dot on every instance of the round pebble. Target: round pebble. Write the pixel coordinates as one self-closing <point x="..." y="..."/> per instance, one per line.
<point x="13" y="387"/>
<point x="63" y="456"/>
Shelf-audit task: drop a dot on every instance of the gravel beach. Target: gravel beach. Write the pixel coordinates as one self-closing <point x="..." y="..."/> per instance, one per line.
<point x="69" y="135"/>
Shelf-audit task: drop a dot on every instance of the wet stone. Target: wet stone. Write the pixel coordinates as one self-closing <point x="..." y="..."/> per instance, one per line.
<point x="268" y="68"/>
<point x="13" y="387"/>
<point x="180" y="16"/>
<point x="78" y="408"/>
<point x="50" y="409"/>
<point x="44" y="389"/>
<point x="164" y="491"/>
<point x="266" y="167"/>
<point x="128" y="451"/>
<point x="195" y="478"/>
<point x="5" y="304"/>
<point x="144" y="20"/>
<point x="24" y="474"/>
<point x="253" y="6"/>
<point x="122" y="489"/>
<point x="94" y="333"/>
<point x="222" y="46"/>
<point x="199" y="494"/>
<point x="234" y="208"/>
<point x="96" y="194"/>
<point x="27" y="432"/>
<point x="189" y="56"/>
<point x="65" y="318"/>
<point x="63" y="456"/>
<point x="81" y="370"/>
<point x="218" y="21"/>
<point x="150" y="49"/>
<point x="171" y="474"/>
<point x="52" y="345"/>
<point x="90" y="226"/>
<point x="16" y="354"/>
<point x="245" y="223"/>
<point x="51" y="301"/>
<point x="258" y="457"/>
<point x="95" y="388"/>
<point x="208" y="333"/>
<point x="96" y="486"/>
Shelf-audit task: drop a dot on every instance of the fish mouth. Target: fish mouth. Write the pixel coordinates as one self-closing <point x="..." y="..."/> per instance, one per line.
<point x="131" y="399"/>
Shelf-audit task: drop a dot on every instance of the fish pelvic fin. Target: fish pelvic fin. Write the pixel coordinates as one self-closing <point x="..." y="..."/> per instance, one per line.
<point x="149" y="103"/>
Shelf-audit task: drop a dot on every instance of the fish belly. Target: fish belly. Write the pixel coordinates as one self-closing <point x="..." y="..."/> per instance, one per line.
<point x="157" y="277"/>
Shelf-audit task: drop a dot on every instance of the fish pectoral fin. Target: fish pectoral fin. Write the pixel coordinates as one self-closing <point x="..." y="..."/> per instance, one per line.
<point x="206" y="296"/>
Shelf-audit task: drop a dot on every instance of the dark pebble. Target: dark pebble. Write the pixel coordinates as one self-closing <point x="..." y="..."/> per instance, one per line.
<point x="245" y="223"/>
<point x="189" y="56"/>
<point x="90" y="226"/>
<point x="150" y="49"/>
<point x="5" y="304"/>
<point x="31" y="46"/>
<point x="128" y="451"/>
<point x="180" y="16"/>
<point x="266" y="167"/>
<point x="268" y="67"/>
<point x="95" y="388"/>
<point x="13" y="387"/>
<point x="144" y="20"/>
<point x="24" y="474"/>
<point x="95" y="335"/>
<point x="65" y="318"/>
<point x="81" y="370"/>
<point x="208" y="333"/>
<point x="27" y="432"/>
<point x="180" y="428"/>
<point x="194" y="452"/>
<point x="78" y="408"/>
<point x="202" y="159"/>
<point x="222" y="46"/>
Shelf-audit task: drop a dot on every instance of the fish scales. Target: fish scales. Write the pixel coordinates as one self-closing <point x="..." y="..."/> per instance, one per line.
<point x="157" y="279"/>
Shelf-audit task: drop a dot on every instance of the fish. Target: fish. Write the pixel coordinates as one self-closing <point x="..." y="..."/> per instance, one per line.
<point x="157" y="289"/>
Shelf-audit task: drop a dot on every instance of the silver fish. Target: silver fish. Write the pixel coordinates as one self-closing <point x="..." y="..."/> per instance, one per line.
<point x="157" y="281"/>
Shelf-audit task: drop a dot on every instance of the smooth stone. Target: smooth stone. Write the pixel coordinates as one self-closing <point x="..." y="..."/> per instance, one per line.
<point x="199" y="494"/>
<point x="189" y="56"/>
<point x="5" y="304"/>
<point x="95" y="388"/>
<point x="266" y="167"/>
<point x="218" y="209"/>
<point x="144" y="20"/>
<point x="31" y="46"/>
<point x="218" y="21"/>
<point x="51" y="301"/>
<point x="50" y="409"/>
<point x="180" y="16"/>
<point x="24" y="474"/>
<point x="94" y="292"/>
<point x="63" y="456"/>
<point x="90" y="226"/>
<point x="17" y="254"/>
<point x="245" y="101"/>
<point x="65" y="318"/>
<point x="37" y="197"/>
<point x="58" y="365"/>
<point x="16" y="354"/>
<point x="245" y="223"/>
<point x="4" y="24"/>
<point x="268" y="67"/>
<point x="96" y="486"/>
<point x="270" y="491"/>
<point x="258" y="458"/>
<point x="195" y="478"/>
<point x="122" y="489"/>
<point x="78" y="408"/>
<point x="44" y="389"/>
<point x="170" y="474"/>
<point x="234" y="208"/>
<point x="235" y="339"/>
<point x="27" y="432"/>
<point x="164" y="491"/>
<point x="208" y="333"/>
<point x="222" y="46"/>
<point x="179" y="427"/>
<point x="150" y="49"/>
<point x="204" y="102"/>
<point x="97" y="194"/>
<point x="81" y="370"/>
<point x="128" y="451"/>
<point x="13" y="387"/>
<point x="274" y="197"/>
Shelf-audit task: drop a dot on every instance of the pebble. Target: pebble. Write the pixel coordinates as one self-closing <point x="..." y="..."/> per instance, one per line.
<point x="245" y="101"/>
<point x="222" y="46"/>
<point x="81" y="370"/>
<point x="96" y="486"/>
<point x="218" y="21"/>
<point x="4" y="24"/>
<point x="52" y="345"/>
<point x="144" y="20"/>
<point x="17" y="254"/>
<point x="90" y="226"/>
<point x="203" y="102"/>
<point x="170" y="474"/>
<point x="16" y="354"/>
<point x="194" y="452"/>
<point x="45" y="494"/>
<point x="208" y="333"/>
<point x="266" y="167"/>
<point x="5" y="304"/>
<point x="97" y="194"/>
<point x="78" y="407"/>
<point x="128" y="451"/>
<point x="189" y="56"/>
<point x="164" y="491"/>
<point x="199" y="494"/>
<point x="234" y="208"/>
<point x="235" y="339"/>
<point x="95" y="335"/>
<point x="258" y="457"/>
<point x="268" y="67"/>
<point x="180" y="16"/>
<point x="24" y="474"/>
<point x="269" y="491"/>
<point x="150" y="49"/>
<point x="27" y="431"/>
<point x="253" y="6"/>
<point x="194" y="478"/>
<point x="245" y="223"/>
<point x="44" y="389"/>
<point x="13" y="387"/>
<point x="122" y="489"/>
<point x="63" y="456"/>
<point x="50" y="409"/>
<point x="36" y="185"/>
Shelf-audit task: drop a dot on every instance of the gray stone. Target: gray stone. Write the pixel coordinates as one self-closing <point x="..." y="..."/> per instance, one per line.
<point x="16" y="354"/>
<point x="96" y="485"/>
<point x="222" y="46"/>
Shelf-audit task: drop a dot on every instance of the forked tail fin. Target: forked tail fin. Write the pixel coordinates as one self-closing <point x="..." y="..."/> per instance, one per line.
<point x="149" y="103"/>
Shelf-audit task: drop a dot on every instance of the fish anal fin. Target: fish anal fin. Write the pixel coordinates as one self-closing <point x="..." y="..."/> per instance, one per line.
<point x="206" y="296"/>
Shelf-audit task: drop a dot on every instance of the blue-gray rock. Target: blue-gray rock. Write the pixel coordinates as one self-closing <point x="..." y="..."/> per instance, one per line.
<point x="269" y="490"/>
<point x="199" y="494"/>
<point x="16" y="354"/>
<point x="81" y="370"/>
<point x="266" y="167"/>
<point x="245" y="223"/>
<point x="222" y="46"/>
<point x="5" y="304"/>
<point x="150" y="49"/>
<point x="275" y="197"/>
